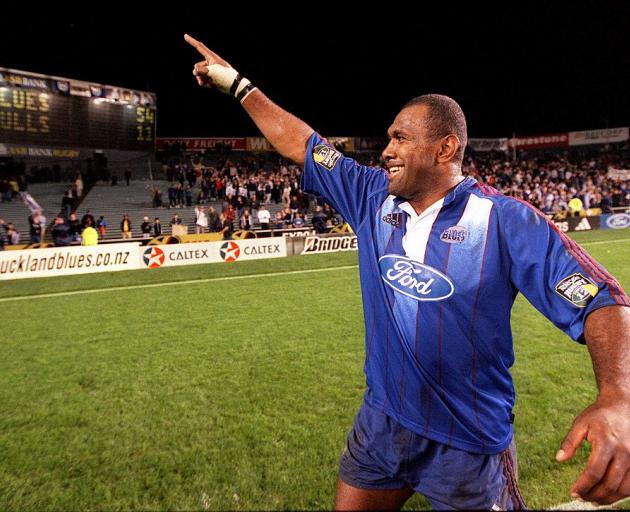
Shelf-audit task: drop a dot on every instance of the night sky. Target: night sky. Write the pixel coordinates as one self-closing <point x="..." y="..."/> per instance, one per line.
<point x="540" y="69"/>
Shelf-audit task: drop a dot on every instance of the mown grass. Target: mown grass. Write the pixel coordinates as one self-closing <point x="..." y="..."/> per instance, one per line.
<point x="229" y="394"/>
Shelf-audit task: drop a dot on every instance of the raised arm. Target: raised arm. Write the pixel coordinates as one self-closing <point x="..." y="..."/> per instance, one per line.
<point x="285" y="132"/>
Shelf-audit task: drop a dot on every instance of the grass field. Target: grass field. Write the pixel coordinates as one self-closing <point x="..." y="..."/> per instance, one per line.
<point x="230" y="394"/>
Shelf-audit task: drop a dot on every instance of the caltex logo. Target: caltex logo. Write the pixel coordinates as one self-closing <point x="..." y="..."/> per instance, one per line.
<point x="230" y="251"/>
<point x="153" y="257"/>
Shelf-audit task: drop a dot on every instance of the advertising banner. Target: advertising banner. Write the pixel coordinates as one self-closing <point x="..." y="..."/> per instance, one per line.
<point x="319" y="245"/>
<point x="603" y="136"/>
<point x="552" y="140"/>
<point x="155" y="256"/>
<point x="500" y="144"/>
<point x="60" y="261"/>
<point x="201" y="144"/>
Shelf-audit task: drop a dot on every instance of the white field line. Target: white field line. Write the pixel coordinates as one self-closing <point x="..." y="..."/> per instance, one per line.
<point x="174" y="283"/>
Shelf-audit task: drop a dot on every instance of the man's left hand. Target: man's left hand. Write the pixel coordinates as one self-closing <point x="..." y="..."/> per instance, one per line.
<point x="606" y="426"/>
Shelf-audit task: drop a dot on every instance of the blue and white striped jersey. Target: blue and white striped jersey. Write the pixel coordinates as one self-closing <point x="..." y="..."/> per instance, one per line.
<point x="437" y="292"/>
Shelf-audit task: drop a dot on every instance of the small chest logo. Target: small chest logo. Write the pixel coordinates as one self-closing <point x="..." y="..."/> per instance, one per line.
<point x="395" y="219"/>
<point x="325" y="156"/>
<point x="454" y="235"/>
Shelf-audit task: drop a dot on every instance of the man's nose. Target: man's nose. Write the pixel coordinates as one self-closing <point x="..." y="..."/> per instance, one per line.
<point x="388" y="152"/>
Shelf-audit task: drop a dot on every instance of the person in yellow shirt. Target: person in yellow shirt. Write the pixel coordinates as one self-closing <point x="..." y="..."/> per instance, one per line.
<point x="89" y="236"/>
<point x="575" y="206"/>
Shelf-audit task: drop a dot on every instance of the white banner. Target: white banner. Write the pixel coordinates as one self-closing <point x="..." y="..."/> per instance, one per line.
<point x="488" y="144"/>
<point x="60" y="261"/>
<point x="619" y="174"/>
<point x="319" y="245"/>
<point x="603" y="136"/>
<point x="155" y="256"/>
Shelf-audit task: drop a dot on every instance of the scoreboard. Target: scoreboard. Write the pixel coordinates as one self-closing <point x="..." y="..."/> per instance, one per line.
<point x="39" y="110"/>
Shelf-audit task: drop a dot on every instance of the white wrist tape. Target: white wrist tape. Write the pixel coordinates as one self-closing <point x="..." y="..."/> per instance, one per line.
<point x="229" y="81"/>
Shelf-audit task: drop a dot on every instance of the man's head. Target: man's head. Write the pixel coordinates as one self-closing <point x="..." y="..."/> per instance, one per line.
<point x="426" y="148"/>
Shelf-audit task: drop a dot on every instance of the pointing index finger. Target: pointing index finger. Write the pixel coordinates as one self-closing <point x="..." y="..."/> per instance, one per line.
<point x="198" y="45"/>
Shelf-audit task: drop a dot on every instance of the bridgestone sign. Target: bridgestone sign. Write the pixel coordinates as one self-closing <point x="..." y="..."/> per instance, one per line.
<point x="317" y="245"/>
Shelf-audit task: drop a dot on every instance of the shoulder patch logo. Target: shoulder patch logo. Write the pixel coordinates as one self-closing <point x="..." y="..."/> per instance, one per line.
<point x="577" y="289"/>
<point x="454" y="235"/>
<point x="325" y="156"/>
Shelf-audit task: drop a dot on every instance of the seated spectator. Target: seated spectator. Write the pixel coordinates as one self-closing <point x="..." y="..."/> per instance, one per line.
<point x="298" y="220"/>
<point x="245" y="222"/>
<point x="61" y="232"/>
<point x="279" y="220"/>
<point x="13" y="235"/>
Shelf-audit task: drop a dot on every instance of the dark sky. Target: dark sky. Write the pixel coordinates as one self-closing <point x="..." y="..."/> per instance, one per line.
<point x="537" y="69"/>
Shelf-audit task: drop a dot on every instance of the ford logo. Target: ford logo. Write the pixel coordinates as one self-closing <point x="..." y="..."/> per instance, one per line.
<point x="618" y="221"/>
<point x="414" y="279"/>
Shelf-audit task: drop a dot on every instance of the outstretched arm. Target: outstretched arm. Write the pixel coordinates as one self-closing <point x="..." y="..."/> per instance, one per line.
<point x="285" y="132"/>
<point x="606" y="423"/>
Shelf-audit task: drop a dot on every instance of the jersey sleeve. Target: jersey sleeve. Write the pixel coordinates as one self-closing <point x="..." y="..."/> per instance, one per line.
<point x="553" y="272"/>
<point x="341" y="181"/>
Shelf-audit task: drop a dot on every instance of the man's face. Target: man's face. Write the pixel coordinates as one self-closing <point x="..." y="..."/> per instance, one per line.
<point x="410" y="154"/>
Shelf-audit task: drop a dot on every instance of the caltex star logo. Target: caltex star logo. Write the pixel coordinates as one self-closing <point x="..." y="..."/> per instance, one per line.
<point x="153" y="257"/>
<point x="230" y="251"/>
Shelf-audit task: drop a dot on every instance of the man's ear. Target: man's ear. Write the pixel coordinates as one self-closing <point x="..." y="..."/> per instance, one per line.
<point x="447" y="148"/>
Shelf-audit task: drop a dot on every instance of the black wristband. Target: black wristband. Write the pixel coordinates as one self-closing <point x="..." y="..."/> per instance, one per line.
<point x="245" y="91"/>
<point x="235" y="84"/>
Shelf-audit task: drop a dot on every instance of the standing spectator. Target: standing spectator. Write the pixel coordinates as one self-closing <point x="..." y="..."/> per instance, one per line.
<point x="227" y="228"/>
<point x="156" y="197"/>
<point x="127" y="175"/>
<point x="172" y="196"/>
<point x="319" y="221"/>
<point x="101" y="227"/>
<point x="263" y="217"/>
<point x="146" y="227"/>
<point x="214" y="224"/>
<point x="188" y="194"/>
<point x="67" y="202"/>
<point x="75" y="226"/>
<point x="61" y="232"/>
<point x="89" y="235"/>
<point x="36" y="227"/>
<point x="157" y="227"/>
<point x="201" y="219"/>
<point x="125" y="227"/>
<point x="3" y="235"/>
<point x="88" y="217"/>
<point x="78" y="186"/>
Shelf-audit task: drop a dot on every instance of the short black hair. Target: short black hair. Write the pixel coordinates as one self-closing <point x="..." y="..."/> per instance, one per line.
<point x="445" y="117"/>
